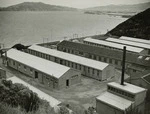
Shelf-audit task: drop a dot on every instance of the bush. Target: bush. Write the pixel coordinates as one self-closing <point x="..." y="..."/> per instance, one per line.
<point x="19" y="95"/>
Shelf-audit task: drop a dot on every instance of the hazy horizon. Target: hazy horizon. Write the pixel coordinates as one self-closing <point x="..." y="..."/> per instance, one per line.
<point x="75" y="4"/>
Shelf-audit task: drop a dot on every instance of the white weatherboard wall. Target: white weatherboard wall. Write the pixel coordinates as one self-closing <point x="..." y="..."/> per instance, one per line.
<point x="52" y="101"/>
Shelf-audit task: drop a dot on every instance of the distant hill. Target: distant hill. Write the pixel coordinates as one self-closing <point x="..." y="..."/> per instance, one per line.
<point x="137" y="26"/>
<point x="36" y="6"/>
<point x="121" y="8"/>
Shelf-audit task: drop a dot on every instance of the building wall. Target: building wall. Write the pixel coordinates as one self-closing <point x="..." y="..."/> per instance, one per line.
<point x="49" y="81"/>
<point x="140" y="98"/>
<point x="72" y="76"/>
<point x="2" y="73"/>
<point x="103" y="108"/>
<point x="20" y="67"/>
<point x="108" y="72"/>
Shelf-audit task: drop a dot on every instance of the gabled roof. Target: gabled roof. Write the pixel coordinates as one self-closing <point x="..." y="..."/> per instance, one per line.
<point x="70" y="57"/>
<point x="115" y="101"/>
<point x="114" y="45"/>
<point x="146" y="78"/>
<point x="115" y="54"/>
<point x="135" y="39"/>
<point x="43" y="65"/>
<point x="130" y="43"/>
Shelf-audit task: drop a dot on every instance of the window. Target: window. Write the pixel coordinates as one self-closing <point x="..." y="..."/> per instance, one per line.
<point x="116" y="62"/>
<point x="94" y="57"/>
<point x="110" y="60"/>
<point x="76" y="66"/>
<point x="105" y="59"/>
<point x="64" y="62"/>
<point x="31" y="70"/>
<point x="93" y="71"/>
<point x="97" y="73"/>
<point x="25" y="68"/>
<point x="13" y="62"/>
<point x="19" y="65"/>
<point x="100" y="59"/>
<point x="80" y="53"/>
<point x="88" y="69"/>
<point x="79" y="67"/>
<point x="47" y="57"/>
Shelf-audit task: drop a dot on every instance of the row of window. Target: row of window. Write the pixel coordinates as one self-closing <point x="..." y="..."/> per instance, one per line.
<point x="99" y="45"/>
<point x="79" y="67"/>
<point x="66" y="63"/>
<point x="19" y="66"/>
<point x="120" y="92"/>
<point x="104" y="59"/>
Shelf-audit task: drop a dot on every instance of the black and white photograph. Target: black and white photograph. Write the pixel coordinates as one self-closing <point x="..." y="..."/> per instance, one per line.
<point x="74" y="56"/>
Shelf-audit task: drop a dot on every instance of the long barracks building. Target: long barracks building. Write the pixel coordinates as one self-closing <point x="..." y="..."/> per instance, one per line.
<point x="88" y="67"/>
<point x="106" y="55"/>
<point x="113" y="45"/>
<point x="53" y="75"/>
<point x="135" y="40"/>
<point x="121" y="41"/>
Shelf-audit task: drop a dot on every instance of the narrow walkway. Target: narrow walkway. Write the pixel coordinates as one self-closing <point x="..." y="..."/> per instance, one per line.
<point x="52" y="101"/>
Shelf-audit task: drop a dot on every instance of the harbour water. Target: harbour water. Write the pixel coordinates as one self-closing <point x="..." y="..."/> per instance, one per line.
<point x="37" y="27"/>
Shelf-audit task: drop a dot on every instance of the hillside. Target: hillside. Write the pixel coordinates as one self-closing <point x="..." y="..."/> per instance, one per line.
<point x="137" y="26"/>
<point x="36" y="6"/>
<point x="121" y="8"/>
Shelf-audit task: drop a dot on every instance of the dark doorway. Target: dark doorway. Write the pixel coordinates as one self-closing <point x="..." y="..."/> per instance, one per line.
<point x="67" y="83"/>
<point x="36" y="74"/>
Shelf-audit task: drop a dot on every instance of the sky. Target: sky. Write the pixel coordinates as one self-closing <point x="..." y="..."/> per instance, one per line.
<point x="74" y="3"/>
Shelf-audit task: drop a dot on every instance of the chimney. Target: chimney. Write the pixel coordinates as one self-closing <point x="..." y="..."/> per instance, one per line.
<point x="123" y="65"/>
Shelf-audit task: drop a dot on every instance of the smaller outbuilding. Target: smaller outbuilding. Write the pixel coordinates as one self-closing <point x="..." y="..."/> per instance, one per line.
<point x="51" y="74"/>
<point x="2" y="73"/>
<point x="120" y="99"/>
